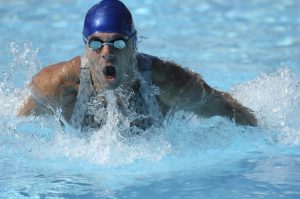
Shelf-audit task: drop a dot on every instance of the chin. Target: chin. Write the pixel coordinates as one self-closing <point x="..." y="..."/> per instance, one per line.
<point x="112" y="84"/>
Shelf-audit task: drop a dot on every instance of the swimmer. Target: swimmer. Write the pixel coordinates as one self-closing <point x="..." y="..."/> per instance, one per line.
<point x="111" y="61"/>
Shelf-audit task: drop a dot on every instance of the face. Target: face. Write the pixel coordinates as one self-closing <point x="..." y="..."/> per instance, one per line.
<point x="109" y="65"/>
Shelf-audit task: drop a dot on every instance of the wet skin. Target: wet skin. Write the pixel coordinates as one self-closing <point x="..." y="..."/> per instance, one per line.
<point x="57" y="85"/>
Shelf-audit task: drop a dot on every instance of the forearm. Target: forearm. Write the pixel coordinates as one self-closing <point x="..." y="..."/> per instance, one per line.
<point x="28" y="107"/>
<point x="36" y="106"/>
<point x="223" y="104"/>
<point x="197" y="96"/>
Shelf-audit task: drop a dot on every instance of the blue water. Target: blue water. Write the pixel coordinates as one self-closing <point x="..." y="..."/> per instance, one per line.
<point x="250" y="49"/>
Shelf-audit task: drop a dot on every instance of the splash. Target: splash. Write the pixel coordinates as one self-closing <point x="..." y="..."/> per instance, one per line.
<point x="13" y="85"/>
<point x="275" y="98"/>
<point x="13" y="92"/>
<point x="117" y="141"/>
<point x="24" y="65"/>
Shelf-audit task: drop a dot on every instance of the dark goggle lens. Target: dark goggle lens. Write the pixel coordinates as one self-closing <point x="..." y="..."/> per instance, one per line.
<point x="96" y="44"/>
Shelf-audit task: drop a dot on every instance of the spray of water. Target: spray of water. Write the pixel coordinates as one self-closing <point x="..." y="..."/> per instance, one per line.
<point x="117" y="141"/>
<point x="13" y="89"/>
<point x="274" y="98"/>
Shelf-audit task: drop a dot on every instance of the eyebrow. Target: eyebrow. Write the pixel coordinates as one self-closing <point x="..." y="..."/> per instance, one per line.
<point x="111" y="39"/>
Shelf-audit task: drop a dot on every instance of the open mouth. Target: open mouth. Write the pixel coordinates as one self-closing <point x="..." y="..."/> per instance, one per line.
<point x="109" y="72"/>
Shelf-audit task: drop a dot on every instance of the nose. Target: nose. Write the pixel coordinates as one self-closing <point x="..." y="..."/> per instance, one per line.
<point x="107" y="54"/>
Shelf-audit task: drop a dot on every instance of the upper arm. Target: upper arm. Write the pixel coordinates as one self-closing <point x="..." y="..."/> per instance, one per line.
<point x="45" y="83"/>
<point x="43" y="87"/>
<point x="48" y="85"/>
<point x="178" y="85"/>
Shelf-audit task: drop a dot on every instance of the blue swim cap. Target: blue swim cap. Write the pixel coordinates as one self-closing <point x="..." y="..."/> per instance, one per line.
<point x="109" y="16"/>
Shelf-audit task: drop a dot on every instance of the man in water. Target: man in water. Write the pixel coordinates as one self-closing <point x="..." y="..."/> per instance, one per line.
<point x="111" y="62"/>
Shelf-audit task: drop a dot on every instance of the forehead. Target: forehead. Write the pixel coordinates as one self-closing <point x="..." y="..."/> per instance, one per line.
<point x="107" y="36"/>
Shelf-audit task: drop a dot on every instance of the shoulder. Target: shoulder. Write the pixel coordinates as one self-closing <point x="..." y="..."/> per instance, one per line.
<point x="169" y="71"/>
<point x="71" y="66"/>
<point x="49" y="79"/>
<point x="157" y="64"/>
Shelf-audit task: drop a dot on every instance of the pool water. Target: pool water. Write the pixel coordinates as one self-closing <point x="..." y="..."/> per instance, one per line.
<point x="250" y="49"/>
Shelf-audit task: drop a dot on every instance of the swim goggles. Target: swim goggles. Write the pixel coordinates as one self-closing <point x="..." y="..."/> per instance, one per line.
<point x="120" y="43"/>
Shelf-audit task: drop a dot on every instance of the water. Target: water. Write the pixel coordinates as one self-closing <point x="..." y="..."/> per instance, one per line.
<point x="248" y="48"/>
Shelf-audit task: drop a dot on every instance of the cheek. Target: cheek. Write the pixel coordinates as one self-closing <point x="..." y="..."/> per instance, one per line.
<point x="123" y="58"/>
<point x="96" y="70"/>
<point x="92" y="56"/>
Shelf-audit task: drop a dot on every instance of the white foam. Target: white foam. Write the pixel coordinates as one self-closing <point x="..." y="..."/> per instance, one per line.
<point x="111" y="145"/>
<point x="275" y="99"/>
